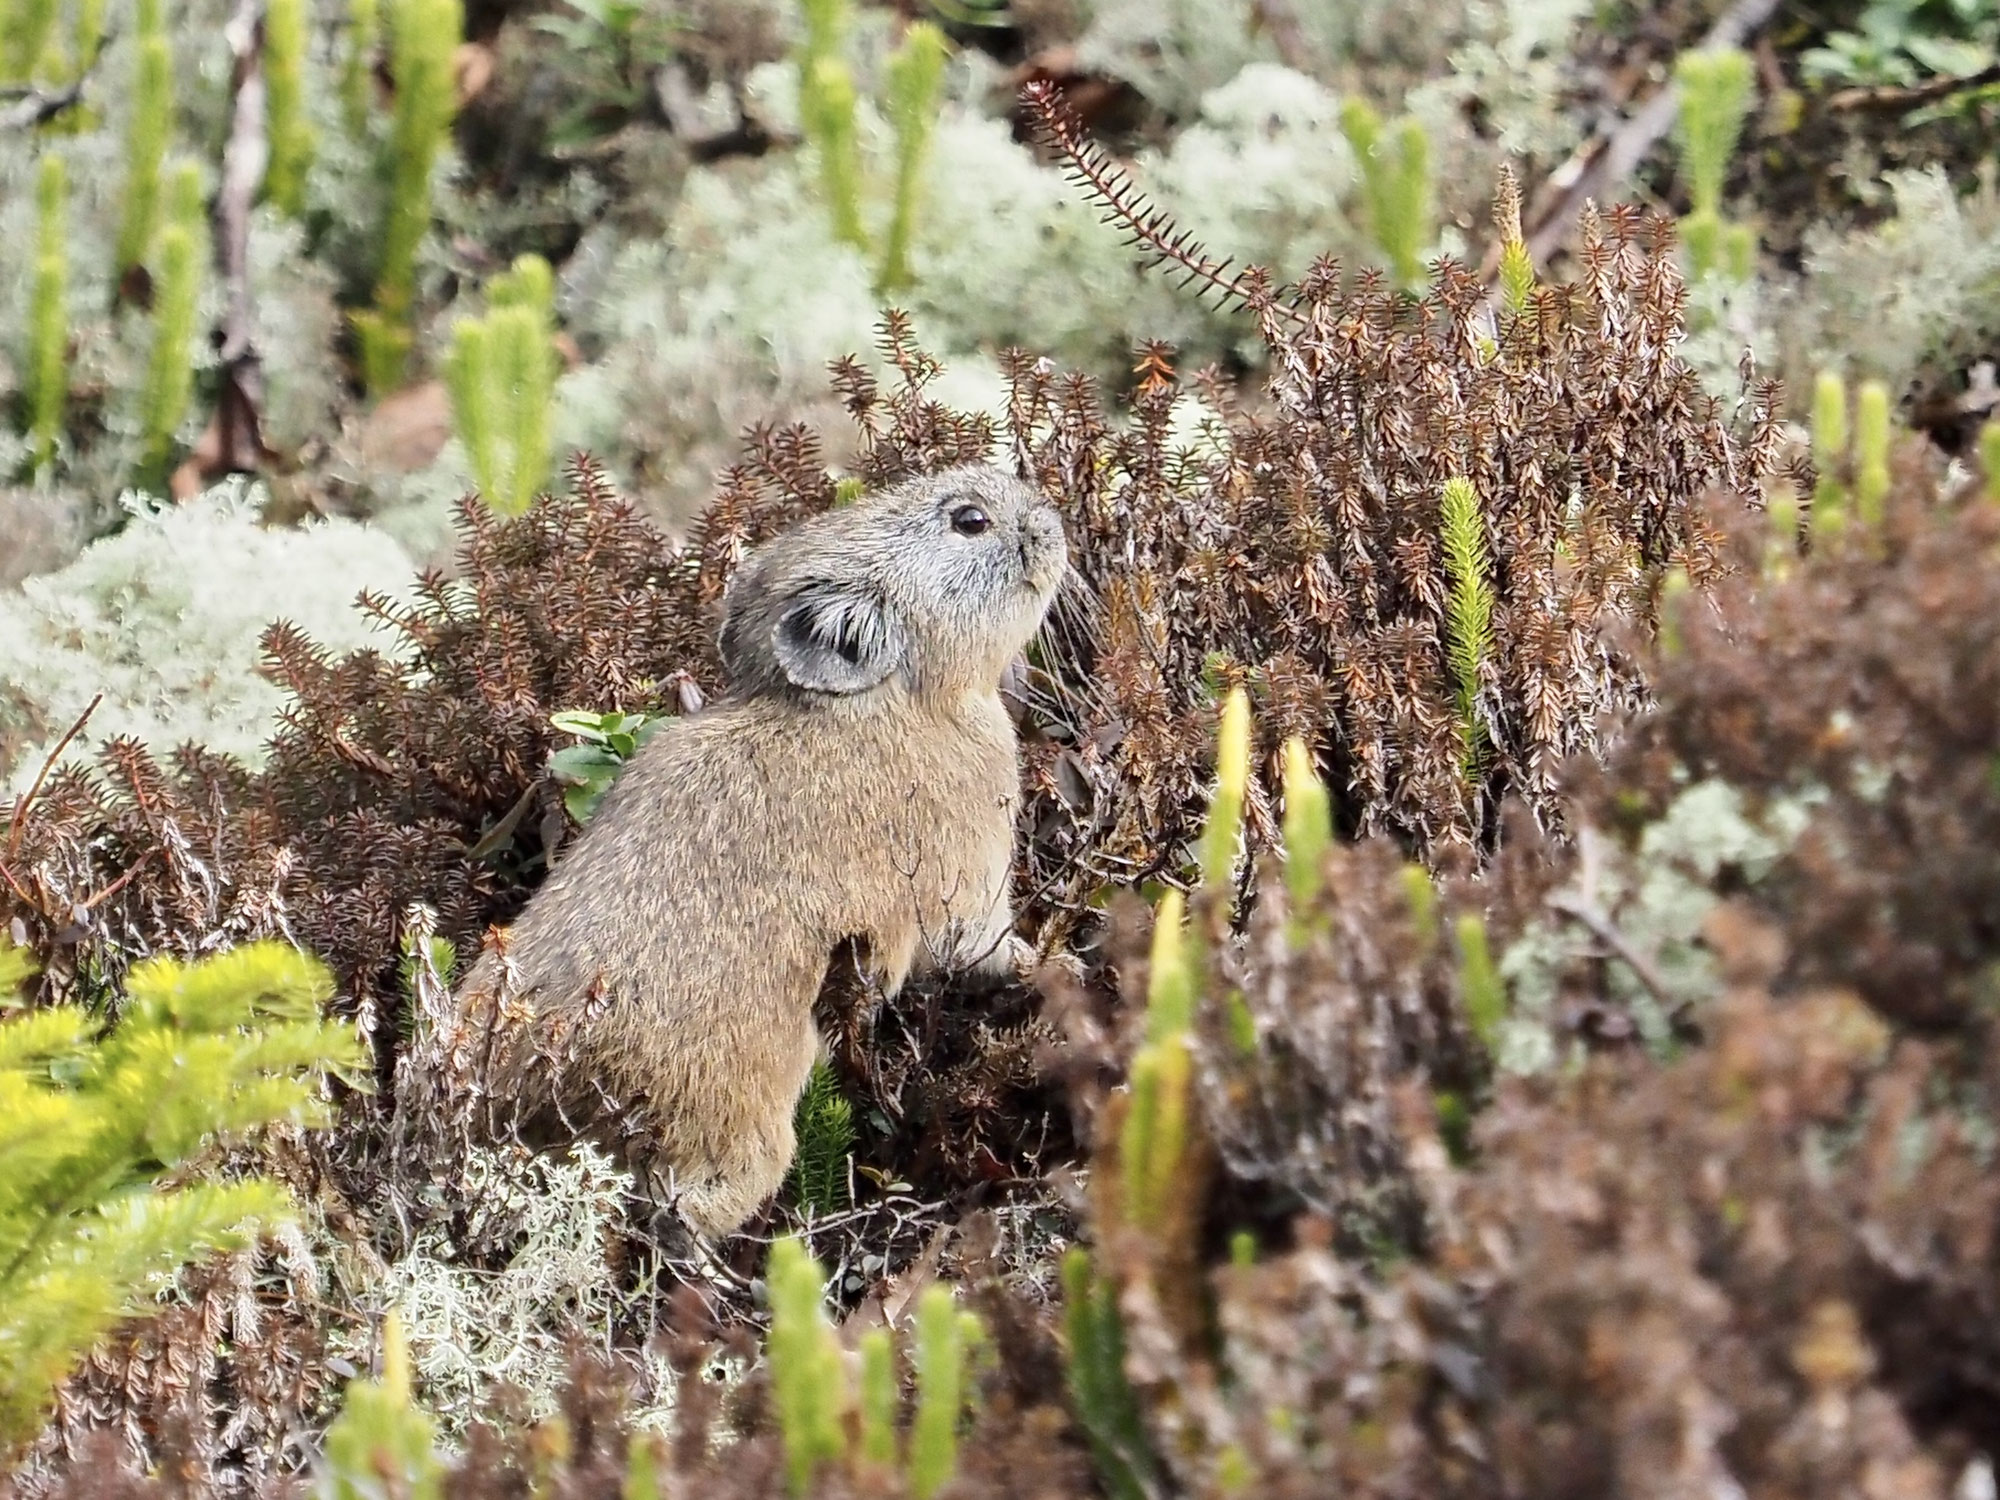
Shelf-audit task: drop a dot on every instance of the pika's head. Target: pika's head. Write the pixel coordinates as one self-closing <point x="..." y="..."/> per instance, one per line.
<point x="936" y="583"/>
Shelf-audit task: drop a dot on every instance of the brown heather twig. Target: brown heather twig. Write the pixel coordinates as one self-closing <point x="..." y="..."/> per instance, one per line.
<point x="1146" y="227"/>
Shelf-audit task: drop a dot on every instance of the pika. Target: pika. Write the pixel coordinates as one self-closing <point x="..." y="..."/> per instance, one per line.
<point x="858" y="781"/>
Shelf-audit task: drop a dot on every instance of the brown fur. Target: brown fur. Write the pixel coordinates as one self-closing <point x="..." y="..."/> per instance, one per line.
<point x="668" y="967"/>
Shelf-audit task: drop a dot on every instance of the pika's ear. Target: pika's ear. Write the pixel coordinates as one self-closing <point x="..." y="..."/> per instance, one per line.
<point x="836" y="638"/>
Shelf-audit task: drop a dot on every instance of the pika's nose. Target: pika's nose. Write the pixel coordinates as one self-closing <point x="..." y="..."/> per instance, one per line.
<point x="1044" y="551"/>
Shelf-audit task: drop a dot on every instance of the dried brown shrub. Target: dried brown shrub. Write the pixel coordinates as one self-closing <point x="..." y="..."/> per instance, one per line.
<point x="1765" y="1266"/>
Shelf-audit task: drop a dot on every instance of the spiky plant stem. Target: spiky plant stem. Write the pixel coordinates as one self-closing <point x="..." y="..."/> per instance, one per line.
<point x="48" y="345"/>
<point x="1148" y="229"/>
<point x="285" y="124"/>
<point x="24" y="37"/>
<point x="1468" y="605"/>
<point x="941" y="1357"/>
<point x="826" y="110"/>
<point x="807" y="1384"/>
<point x="423" y="40"/>
<point x="1517" y="266"/>
<point x="1396" y="179"/>
<point x="915" y="85"/>
<point x="146" y="136"/>
<point x="176" y="296"/>
<point x="1106" y="1408"/>
<point x="357" y="80"/>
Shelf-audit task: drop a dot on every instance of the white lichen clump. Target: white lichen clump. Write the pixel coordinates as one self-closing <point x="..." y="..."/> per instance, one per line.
<point x="163" y="620"/>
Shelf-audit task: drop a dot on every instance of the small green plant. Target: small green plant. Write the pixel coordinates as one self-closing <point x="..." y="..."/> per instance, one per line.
<point x="48" y="323"/>
<point x="586" y="771"/>
<point x="808" y="1384"/>
<point x="1901" y="43"/>
<point x="1989" y="458"/>
<point x="1468" y="615"/>
<point x="1479" y="981"/>
<point x="24" y="38"/>
<point x="810" y="1389"/>
<point x="1395" y="160"/>
<point x="92" y="1118"/>
<point x="1100" y="1394"/>
<point x="151" y="124"/>
<point x="1517" y="266"/>
<point x="501" y="374"/>
<point x="876" y="1406"/>
<point x="620" y="46"/>
<point x="915" y="86"/>
<point x="945" y="1337"/>
<point x="824" y="1126"/>
<point x="86" y="36"/>
<point x="1853" y="479"/>
<point x="1420" y="895"/>
<point x="357" y="67"/>
<point x="177" y="266"/>
<point x="285" y="124"/>
<point x="826" y="110"/>
<point x="1154" y="1133"/>
<point x="1220" y="833"/>
<point x="383" y="1443"/>
<point x="827" y="104"/>
<point x="1308" y="831"/>
<point x="424" y="36"/>
<point x="1717" y="88"/>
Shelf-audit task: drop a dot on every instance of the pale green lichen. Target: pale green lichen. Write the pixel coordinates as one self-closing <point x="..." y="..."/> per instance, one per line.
<point x="473" y="1328"/>
<point x="163" y="619"/>
<point x="1919" y="291"/>
<point x="1660" y="897"/>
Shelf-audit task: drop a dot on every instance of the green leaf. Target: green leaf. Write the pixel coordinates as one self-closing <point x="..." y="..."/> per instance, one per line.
<point x="584" y="765"/>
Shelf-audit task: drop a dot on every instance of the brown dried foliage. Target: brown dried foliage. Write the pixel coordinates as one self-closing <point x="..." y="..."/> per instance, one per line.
<point x="1765" y="1267"/>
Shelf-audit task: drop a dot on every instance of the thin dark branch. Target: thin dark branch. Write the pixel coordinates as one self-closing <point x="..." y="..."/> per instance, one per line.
<point x="1927" y="92"/>
<point x="36" y="106"/>
<point x="1280" y="20"/>
<point x="240" y="403"/>
<point x="27" y="800"/>
<point x="1148" y="228"/>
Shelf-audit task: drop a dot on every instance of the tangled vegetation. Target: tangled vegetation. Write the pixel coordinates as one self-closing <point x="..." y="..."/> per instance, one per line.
<point x="1510" y="841"/>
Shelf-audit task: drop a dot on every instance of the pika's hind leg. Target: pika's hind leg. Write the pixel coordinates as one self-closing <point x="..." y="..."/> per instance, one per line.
<point x="736" y="1172"/>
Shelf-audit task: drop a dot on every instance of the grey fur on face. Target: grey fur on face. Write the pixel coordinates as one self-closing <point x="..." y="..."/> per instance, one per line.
<point x="925" y="583"/>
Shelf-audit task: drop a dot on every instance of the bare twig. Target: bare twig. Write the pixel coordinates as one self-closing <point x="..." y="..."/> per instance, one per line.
<point x="1601" y="165"/>
<point x="239" y="406"/>
<point x="34" y="106"/>
<point x="39" y="105"/>
<point x="1147" y="228"/>
<point x="1927" y="92"/>
<point x="1280" y="20"/>
<point x="1600" y="926"/>
<point x="1581" y="905"/>
<point x="19" y="820"/>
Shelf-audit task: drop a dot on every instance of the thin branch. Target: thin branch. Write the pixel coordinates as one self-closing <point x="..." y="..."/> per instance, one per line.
<point x="1582" y="906"/>
<point x="240" y="446"/>
<point x="1280" y="21"/>
<point x="19" y="820"/>
<point x="1601" y="927"/>
<point x="1148" y="228"/>
<point x="36" y="106"/>
<point x="1928" y="92"/>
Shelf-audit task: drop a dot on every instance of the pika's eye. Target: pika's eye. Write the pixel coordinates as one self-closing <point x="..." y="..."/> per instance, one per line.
<point x="970" y="520"/>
